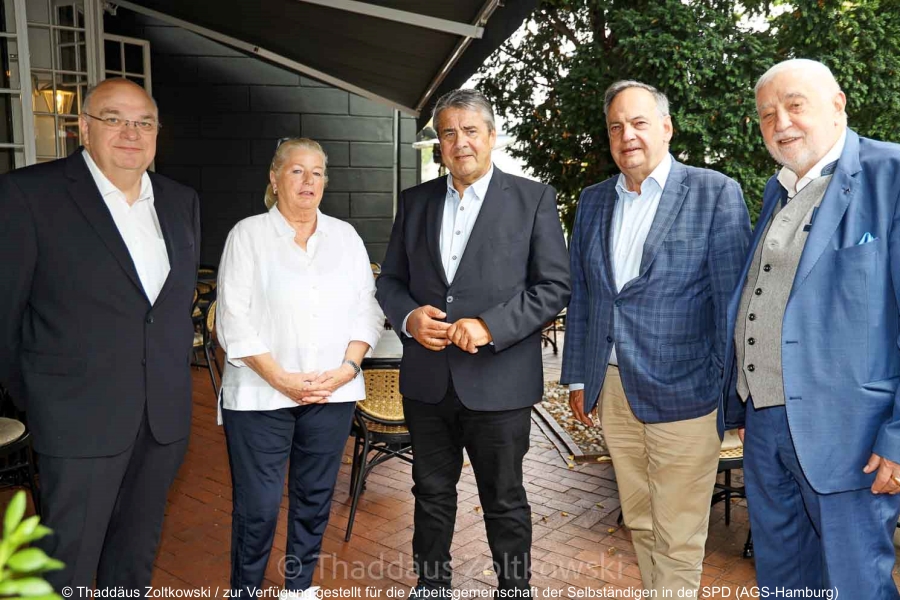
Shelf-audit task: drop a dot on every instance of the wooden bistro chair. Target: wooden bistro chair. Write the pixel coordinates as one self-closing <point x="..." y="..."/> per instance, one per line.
<point x="17" y="466"/>
<point x="379" y="428"/>
<point x="205" y="341"/>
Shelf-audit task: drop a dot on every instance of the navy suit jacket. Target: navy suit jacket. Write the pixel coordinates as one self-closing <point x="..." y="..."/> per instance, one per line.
<point x="81" y="347"/>
<point x="840" y="353"/>
<point x="514" y="275"/>
<point x="668" y="324"/>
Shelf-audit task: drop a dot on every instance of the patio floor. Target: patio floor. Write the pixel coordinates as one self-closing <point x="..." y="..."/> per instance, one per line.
<point x="577" y="544"/>
<point x="578" y="549"/>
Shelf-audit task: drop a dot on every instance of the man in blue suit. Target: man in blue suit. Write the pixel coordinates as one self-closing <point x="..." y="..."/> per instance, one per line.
<point x="655" y="254"/>
<point x="815" y="330"/>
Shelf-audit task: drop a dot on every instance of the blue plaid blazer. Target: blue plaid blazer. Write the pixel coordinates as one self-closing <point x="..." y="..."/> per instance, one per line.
<point x="669" y="323"/>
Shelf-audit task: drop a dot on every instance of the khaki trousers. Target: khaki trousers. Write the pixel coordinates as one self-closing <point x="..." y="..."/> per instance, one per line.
<point x="665" y="474"/>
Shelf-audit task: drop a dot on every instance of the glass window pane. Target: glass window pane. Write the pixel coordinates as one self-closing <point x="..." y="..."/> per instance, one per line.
<point x="7" y="16"/>
<point x="113" y="55"/>
<point x="70" y="139"/>
<point x="39" y="47"/>
<point x="70" y="89"/>
<point x="38" y="11"/>
<point x="45" y="136"/>
<point x="11" y="120"/>
<point x="11" y="158"/>
<point x="134" y="59"/>
<point x="65" y="15"/>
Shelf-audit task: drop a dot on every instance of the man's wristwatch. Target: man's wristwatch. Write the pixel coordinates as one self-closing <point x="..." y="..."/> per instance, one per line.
<point x="356" y="368"/>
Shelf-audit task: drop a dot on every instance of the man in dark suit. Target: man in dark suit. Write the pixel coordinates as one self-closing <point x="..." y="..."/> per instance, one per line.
<point x="656" y="252"/>
<point x="476" y="265"/>
<point x="98" y="262"/>
<point x="815" y="322"/>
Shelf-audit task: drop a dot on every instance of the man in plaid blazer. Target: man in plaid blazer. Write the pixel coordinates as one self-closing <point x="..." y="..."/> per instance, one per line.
<point x="655" y="254"/>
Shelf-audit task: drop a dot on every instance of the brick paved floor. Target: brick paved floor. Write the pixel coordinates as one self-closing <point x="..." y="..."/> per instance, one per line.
<point x="577" y="544"/>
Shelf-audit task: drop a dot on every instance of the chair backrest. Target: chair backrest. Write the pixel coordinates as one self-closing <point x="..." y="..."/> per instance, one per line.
<point x="376" y="268"/>
<point x="383" y="399"/>
<point x="211" y="317"/>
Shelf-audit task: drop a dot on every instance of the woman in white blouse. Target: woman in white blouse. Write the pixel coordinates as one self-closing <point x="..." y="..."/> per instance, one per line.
<point x="296" y="315"/>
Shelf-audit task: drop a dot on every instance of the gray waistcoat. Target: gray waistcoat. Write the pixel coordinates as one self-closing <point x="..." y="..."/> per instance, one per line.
<point x="757" y="333"/>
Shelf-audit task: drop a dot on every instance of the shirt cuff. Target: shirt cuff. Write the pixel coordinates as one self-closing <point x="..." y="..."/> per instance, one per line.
<point x="235" y="352"/>
<point x="403" y="327"/>
<point x="574" y="387"/>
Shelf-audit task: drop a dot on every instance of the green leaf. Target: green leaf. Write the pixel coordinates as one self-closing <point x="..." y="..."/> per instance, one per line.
<point x="39" y="532"/>
<point x="28" y="560"/>
<point x="30" y="586"/>
<point x="14" y="513"/>
<point x="25" y="529"/>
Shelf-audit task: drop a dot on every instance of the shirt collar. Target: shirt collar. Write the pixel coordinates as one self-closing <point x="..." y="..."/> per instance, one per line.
<point x="789" y="180"/>
<point x="283" y="228"/>
<point x="107" y="187"/>
<point x="479" y="187"/>
<point x="659" y="176"/>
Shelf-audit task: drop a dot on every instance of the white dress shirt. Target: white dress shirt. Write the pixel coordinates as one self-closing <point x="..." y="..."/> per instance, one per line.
<point x="632" y="218"/>
<point x="139" y="227"/>
<point x="788" y="179"/>
<point x="459" y="218"/>
<point x="304" y="307"/>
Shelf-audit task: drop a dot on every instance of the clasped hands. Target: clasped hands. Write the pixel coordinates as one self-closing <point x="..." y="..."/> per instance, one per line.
<point x="426" y="326"/>
<point x="314" y="387"/>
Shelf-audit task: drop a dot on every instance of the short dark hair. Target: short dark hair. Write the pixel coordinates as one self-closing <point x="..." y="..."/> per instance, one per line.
<point x="468" y="99"/>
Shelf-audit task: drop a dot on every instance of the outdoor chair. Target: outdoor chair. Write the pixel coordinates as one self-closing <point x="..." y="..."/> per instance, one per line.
<point x="204" y="339"/>
<point x="731" y="456"/>
<point x="17" y="466"/>
<point x="379" y="428"/>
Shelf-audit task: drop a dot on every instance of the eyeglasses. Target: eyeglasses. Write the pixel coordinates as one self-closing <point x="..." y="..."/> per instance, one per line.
<point x="117" y="123"/>
<point x="281" y="141"/>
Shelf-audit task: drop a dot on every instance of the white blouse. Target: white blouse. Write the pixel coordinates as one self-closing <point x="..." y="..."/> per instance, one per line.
<point x="302" y="307"/>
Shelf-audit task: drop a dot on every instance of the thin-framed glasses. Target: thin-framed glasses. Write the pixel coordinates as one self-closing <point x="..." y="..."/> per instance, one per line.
<point x="281" y="141"/>
<point x="119" y="123"/>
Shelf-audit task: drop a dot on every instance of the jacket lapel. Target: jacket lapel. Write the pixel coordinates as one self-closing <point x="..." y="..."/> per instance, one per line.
<point x="670" y="203"/>
<point x="434" y="217"/>
<point x="86" y="196"/>
<point x="841" y="190"/>
<point x="605" y="217"/>
<point x="489" y="217"/>
<point x="164" y="215"/>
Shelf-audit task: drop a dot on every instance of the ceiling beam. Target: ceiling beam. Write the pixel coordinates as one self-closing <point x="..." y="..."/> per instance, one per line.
<point x="401" y="16"/>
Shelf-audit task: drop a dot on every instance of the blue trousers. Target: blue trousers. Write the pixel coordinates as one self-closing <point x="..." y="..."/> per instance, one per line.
<point x="803" y="539"/>
<point x="259" y="445"/>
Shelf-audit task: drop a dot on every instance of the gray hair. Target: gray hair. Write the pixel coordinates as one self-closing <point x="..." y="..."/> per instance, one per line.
<point x="811" y="67"/>
<point x="467" y="99"/>
<point x="282" y="152"/>
<point x="86" y="101"/>
<point x="662" y="103"/>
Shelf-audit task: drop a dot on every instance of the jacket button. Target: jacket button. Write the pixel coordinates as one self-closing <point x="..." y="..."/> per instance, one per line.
<point x="751" y="368"/>
<point x="449" y="299"/>
<point x="767" y="268"/>
<point x="143" y="361"/>
<point x="618" y="303"/>
<point x="751" y="341"/>
<point x="751" y="316"/>
<point x="609" y="339"/>
<point x="758" y="291"/>
<point x="150" y="319"/>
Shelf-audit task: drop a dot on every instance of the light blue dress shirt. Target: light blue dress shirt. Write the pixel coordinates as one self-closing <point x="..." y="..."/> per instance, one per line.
<point x="460" y="214"/>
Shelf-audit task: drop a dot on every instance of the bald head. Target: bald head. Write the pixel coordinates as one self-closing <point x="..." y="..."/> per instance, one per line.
<point x="114" y="83"/>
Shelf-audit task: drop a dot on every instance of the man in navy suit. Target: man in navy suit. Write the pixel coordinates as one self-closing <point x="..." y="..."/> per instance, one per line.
<point x="98" y="263"/>
<point x="815" y="325"/>
<point x="655" y="255"/>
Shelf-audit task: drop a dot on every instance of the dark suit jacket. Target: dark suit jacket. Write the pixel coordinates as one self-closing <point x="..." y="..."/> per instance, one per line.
<point x="81" y="348"/>
<point x="514" y="274"/>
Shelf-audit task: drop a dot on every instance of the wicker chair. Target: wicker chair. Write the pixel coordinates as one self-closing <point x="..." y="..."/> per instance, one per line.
<point x="204" y="340"/>
<point x="731" y="456"/>
<point x="379" y="427"/>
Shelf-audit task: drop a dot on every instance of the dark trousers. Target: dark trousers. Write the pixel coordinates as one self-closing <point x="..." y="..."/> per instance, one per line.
<point x="259" y="445"/>
<point x="106" y="513"/>
<point x="496" y="443"/>
<point x="803" y="539"/>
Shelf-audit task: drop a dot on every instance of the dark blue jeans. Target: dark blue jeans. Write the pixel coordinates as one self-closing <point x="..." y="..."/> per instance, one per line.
<point x="259" y="445"/>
